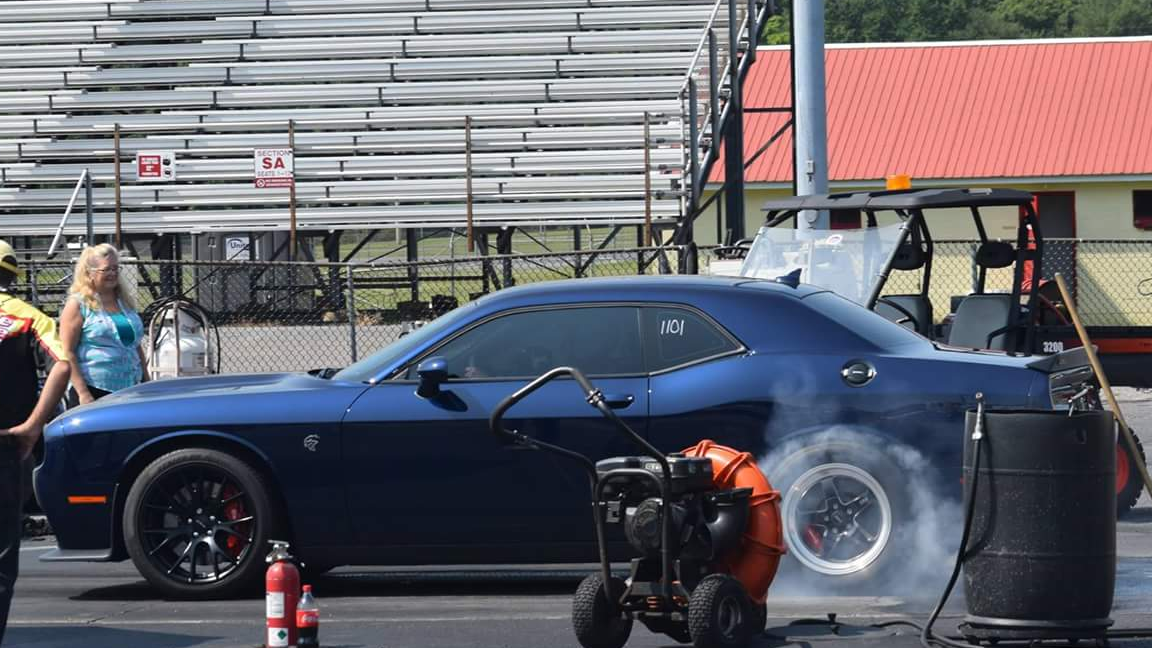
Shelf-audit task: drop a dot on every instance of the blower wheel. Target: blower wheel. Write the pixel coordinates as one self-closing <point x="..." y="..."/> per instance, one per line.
<point x="593" y="617"/>
<point x="720" y="614"/>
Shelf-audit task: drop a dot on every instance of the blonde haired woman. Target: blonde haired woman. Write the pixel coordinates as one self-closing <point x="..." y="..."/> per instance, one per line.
<point x="101" y="328"/>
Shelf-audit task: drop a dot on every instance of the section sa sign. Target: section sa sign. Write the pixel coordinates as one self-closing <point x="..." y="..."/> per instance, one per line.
<point x="273" y="168"/>
<point x="155" y="166"/>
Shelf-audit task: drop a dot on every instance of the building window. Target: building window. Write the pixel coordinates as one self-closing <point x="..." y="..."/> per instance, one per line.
<point x="844" y="218"/>
<point x="1142" y="208"/>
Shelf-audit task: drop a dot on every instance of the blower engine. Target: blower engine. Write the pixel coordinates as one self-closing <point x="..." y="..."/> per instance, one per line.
<point x="705" y="524"/>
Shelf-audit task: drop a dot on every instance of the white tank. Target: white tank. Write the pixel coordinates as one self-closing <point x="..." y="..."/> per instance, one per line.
<point x="192" y="359"/>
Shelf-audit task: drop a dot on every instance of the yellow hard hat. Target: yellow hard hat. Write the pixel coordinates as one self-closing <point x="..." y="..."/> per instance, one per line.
<point x="8" y="259"/>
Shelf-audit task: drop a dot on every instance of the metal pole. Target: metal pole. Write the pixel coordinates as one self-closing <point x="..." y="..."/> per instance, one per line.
<point x="714" y="74"/>
<point x="647" y="184"/>
<point x="694" y="147"/>
<point x="468" y="180"/>
<point x="116" y="170"/>
<point x="351" y="308"/>
<point x="734" y="137"/>
<point x="292" y="193"/>
<point x="811" y="138"/>
<point x="88" y="205"/>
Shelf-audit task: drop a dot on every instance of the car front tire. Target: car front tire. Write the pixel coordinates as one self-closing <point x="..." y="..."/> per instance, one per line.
<point x="196" y="523"/>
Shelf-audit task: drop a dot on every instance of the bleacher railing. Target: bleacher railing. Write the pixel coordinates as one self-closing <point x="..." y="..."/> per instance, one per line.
<point x="725" y="51"/>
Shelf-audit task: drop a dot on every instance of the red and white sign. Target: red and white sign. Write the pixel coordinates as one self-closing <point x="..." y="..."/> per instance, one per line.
<point x="155" y="166"/>
<point x="273" y="168"/>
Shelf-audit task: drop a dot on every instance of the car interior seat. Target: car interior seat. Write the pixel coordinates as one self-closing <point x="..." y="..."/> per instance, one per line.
<point x="981" y="320"/>
<point x="909" y="256"/>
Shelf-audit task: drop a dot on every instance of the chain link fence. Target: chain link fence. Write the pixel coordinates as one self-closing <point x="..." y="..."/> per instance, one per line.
<point x="303" y="316"/>
<point x="1111" y="280"/>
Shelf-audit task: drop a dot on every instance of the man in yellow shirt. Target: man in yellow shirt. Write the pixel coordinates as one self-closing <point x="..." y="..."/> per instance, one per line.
<point x="24" y="331"/>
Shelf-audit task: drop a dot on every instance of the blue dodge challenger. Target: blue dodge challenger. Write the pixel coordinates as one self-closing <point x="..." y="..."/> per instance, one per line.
<point x="386" y="462"/>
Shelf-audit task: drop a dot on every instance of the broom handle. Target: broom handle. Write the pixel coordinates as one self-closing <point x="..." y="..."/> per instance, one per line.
<point x="1104" y="384"/>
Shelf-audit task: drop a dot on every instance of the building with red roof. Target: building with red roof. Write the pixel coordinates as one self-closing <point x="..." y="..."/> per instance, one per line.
<point x="1068" y="119"/>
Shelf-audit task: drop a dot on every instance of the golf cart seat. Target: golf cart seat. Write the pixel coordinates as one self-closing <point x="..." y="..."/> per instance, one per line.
<point x="896" y="308"/>
<point x="916" y="305"/>
<point x="981" y="320"/>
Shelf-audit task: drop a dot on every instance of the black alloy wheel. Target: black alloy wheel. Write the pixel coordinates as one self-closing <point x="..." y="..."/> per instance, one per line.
<point x="196" y="522"/>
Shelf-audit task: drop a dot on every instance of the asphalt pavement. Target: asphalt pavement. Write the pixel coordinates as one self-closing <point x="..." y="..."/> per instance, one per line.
<point x="85" y="605"/>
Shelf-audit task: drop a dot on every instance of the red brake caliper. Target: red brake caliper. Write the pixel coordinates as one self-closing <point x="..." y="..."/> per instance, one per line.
<point x="234" y="510"/>
<point x="812" y="539"/>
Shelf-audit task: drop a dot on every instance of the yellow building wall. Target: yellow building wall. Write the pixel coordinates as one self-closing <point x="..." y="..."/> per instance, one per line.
<point x="1103" y="211"/>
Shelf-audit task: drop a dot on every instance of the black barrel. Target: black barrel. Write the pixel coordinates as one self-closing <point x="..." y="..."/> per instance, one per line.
<point x="1042" y="548"/>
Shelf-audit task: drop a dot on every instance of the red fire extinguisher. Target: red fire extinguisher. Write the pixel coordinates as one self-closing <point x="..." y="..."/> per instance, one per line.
<point x="281" y="592"/>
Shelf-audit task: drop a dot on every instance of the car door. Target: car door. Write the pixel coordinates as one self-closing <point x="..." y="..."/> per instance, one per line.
<point x="427" y="472"/>
<point x="701" y="377"/>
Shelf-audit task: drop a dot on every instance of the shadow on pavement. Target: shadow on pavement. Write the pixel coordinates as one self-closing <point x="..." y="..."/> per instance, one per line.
<point x="1138" y="515"/>
<point x="349" y="582"/>
<point x="83" y="636"/>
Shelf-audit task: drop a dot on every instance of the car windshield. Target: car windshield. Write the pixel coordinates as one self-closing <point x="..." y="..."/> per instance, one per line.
<point x="368" y="368"/>
<point x="847" y="262"/>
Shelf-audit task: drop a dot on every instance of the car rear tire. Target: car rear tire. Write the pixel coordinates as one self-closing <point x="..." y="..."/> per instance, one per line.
<point x="845" y="508"/>
<point x="1129" y="482"/>
<point x="196" y="521"/>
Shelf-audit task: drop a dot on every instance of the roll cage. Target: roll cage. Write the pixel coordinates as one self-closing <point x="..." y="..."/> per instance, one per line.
<point x="912" y="249"/>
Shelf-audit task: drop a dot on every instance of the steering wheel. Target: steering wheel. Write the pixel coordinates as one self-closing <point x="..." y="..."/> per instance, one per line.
<point x="908" y="316"/>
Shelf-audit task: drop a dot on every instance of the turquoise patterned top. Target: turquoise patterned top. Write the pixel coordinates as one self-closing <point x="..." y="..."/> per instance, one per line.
<point x="105" y="360"/>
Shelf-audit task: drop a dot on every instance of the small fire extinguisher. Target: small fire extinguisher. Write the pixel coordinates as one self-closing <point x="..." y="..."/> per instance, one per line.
<point x="281" y="592"/>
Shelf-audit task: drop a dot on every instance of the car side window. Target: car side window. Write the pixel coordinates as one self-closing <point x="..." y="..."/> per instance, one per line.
<point x="601" y="340"/>
<point x="676" y="336"/>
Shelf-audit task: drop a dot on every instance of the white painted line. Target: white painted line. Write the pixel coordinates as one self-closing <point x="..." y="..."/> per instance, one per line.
<point x="329" y="621"/>
<point x="38" y="548"/>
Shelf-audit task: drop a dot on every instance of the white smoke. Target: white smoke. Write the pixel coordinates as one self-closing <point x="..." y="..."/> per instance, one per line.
<point x="924" y="537"/>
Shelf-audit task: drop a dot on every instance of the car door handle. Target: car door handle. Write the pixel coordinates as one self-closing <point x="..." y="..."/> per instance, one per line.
<point x="618" y="401"/>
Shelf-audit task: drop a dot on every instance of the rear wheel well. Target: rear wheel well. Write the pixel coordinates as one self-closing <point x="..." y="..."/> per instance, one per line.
<point x="137" y="464"/>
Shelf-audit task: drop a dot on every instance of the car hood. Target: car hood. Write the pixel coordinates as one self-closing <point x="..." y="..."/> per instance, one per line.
<point x="244" y="399"/>
<point x="219" y="385"/>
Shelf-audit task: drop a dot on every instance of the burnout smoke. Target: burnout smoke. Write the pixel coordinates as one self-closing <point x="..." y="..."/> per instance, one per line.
<point x="925" y="523"/>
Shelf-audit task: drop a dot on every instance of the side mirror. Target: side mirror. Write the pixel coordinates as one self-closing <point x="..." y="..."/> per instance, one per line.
<point x="433" y="372"/>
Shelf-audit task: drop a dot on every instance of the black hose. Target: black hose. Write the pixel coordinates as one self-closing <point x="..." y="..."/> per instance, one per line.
<point x="927" y="638"/>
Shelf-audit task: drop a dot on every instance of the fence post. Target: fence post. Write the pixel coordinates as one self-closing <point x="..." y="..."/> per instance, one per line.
<point x="116" y="182"/>
<point x="647" y="182"/>
<point x="350" y="300"/>
<point x="34" y="293"/>
<point x="88" y="207"/>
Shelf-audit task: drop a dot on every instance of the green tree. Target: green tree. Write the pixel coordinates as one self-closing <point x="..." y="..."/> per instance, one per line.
<point x="1113" y="18"/>
<point x="863" y="21"/>
<point x="1039" y="18"/>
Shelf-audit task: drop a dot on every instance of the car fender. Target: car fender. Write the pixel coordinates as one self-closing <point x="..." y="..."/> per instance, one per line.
<point x="167" y="437"/>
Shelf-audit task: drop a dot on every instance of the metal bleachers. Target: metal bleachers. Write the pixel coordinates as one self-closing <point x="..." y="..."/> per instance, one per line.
<point x="397" y="107"/>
